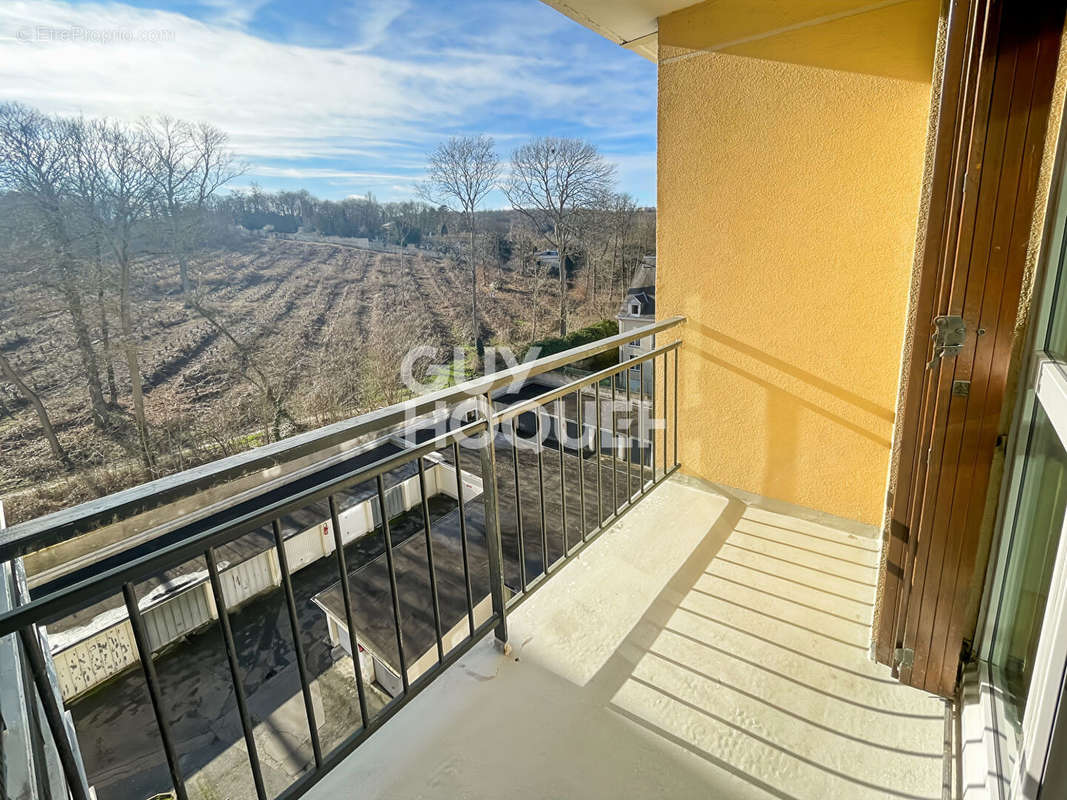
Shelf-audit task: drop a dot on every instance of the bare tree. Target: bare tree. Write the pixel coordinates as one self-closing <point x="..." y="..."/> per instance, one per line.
<point x="622" y="213"/>
<point x="551" y="180"/>
<point x="188" y="163"/>
<point x="8" y="371"/>
<point x="462" y="171"/>
<point x="125" y="194"/>
<point x="36" y="161"/>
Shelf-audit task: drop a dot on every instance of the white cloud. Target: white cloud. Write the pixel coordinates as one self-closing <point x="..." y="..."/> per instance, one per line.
<point x="323" y="173"/>
<point x="283" y="101"/>
<point x="372" y="19"/>
<point x="237" y="13"/>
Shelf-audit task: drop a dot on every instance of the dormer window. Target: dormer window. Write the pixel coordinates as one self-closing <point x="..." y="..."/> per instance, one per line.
<point x="635" y="308"/>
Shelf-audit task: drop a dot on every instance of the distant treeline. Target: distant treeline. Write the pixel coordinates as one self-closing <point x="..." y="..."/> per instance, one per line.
<point x="406" y="222"/>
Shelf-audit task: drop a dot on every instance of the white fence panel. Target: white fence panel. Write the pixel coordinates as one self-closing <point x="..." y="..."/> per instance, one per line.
<point x="177" y="616"/>
<point x="94" y="659"/>
<point x="445" y="478"/>
<point x="244" y="581"/>
<point x="309" y="545"/>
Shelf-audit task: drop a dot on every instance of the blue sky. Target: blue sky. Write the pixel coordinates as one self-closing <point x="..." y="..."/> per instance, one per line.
<point x="341" y="97"/>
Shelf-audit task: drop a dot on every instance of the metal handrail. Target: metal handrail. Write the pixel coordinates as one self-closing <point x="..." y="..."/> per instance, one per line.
<point x="250" y="514"/>
<point x="51" y="529"/>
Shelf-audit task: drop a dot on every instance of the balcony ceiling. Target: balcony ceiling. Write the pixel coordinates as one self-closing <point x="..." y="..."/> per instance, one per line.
<point x="629" y="23"/>
<point x="804" y="31"/>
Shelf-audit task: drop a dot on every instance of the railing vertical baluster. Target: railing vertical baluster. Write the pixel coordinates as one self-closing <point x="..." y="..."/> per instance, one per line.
<point x="463" y="538"/>
<point x="597" y="442"/>
<point x="144" y="652"/>
<point x="235" y="673"/>
<point x="652" y="424"/>
<point x="644" y="430"/>
<point x="392" y="584"/>
<point x="675" y="404"/>
<point x="429" y="562"/>
<point x="298" y="646"/>
<point x="614" y="449"/>
<point x="53" y="712"/>
<point x="665" y="414"/>
<point x="346" y="594"/>
<point x="541" y="489"/>
<point x="629" y="442"/>
<point x="561" y="421"/>
<point x="518" y="501"/>
<point x="581" y="458"/>
<point x="487" y="454"/>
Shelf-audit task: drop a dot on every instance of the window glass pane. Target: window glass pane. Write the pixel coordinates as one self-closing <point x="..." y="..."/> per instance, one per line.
<point x="1056" y="339"/>
<point x="1034" y="539"/>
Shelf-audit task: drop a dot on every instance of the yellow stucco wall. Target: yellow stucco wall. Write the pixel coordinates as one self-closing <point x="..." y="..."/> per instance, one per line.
<point x="788" y="202"/>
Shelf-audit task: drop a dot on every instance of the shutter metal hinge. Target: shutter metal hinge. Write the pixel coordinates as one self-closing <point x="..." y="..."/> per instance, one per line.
<point x="950" y="332"/>
<point x="904" y="657"/>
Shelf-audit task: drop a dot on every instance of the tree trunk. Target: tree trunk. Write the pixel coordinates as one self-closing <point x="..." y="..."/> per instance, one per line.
<point x="593" y="266"/>
<point x="105" y="332"/>
<point x="84" y="342"/>
<point x="177" y="244"/>
<point x="183" y="272"/>
<point x="474" y="295"/>
<point x="133" y="362"/>
<point x="562" y="292"/>
<point x="7" y="369"/>
<point x="615" y="266"/>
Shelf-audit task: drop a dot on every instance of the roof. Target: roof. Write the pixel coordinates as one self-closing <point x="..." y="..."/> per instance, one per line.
<point x="642" y="288"/>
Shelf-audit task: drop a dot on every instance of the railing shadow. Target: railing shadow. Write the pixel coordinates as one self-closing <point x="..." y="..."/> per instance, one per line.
<point x="727" y="690"/>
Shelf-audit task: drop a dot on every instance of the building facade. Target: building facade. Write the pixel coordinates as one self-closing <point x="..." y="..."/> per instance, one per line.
<point x="638" y="309"/>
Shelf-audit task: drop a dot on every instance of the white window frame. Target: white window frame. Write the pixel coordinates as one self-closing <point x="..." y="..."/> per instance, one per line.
<point x="1018" y="760"/>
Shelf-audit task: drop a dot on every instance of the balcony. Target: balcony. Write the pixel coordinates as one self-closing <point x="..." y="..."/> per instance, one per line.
<point x="724" y="659"/>
<point x="487" y="588"/>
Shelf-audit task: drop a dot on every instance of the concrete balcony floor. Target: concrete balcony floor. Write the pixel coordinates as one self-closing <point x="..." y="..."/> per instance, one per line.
<point x="703" y="647"/>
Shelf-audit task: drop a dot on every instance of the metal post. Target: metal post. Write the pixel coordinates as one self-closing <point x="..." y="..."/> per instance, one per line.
<point x="463" y="538"/>
<point x="235" y="674"/>
<point x="53" y="713"/>
<point x="643" y="429"/>
<point x="487" y="454"/>
<point x="614" y="452"/>
<point x="392" y="584"/>
<point x="581" y="458"/>
<point x="675" y="404"/>
<point x="629" y="443"/>
<point x="298" y="646"/>
<point x="429" y="562"/>
<point x="144" y="652"/>
<point x="597" y="439"/>
<point x="664" y="413"/>
<point x="561" y="421"/>
<point x="541" y="490"/>
<point x="346" y="595"/>
<point x="518" y="501"/>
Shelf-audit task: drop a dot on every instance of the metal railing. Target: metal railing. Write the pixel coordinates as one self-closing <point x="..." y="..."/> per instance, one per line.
<point x="523" y="539"/>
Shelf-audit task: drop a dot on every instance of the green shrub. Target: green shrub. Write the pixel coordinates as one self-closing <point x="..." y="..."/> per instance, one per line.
<point x="590" y="333"/>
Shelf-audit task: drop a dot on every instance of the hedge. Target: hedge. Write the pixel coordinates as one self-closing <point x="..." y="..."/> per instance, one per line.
<point x="591" y="333"/>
